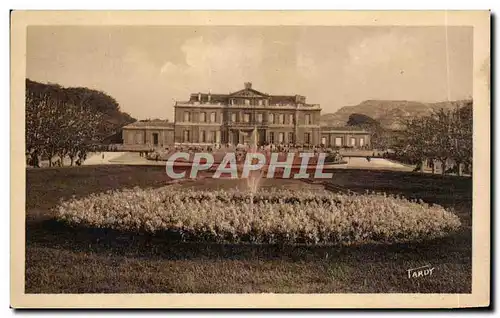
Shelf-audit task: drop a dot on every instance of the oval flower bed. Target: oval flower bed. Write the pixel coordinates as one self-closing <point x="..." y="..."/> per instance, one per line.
<point x="270" y="216"/>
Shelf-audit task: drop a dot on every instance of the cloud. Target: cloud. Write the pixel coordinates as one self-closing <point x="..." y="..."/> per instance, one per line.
<point x="387" y="53"/>
<point x="211" y="65"/>
<point x="306" y="66"/>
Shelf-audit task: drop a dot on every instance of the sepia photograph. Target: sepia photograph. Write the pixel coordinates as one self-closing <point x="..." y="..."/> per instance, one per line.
<point x="291" y="154"/>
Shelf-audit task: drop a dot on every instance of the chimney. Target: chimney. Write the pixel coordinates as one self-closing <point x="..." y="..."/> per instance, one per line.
<point x="248" y="85"/>
<point x="209" y="95"/>
<point x="199" y="97"/>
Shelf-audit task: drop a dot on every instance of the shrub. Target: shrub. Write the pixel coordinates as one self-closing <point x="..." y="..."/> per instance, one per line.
<point x="273" y="216"/>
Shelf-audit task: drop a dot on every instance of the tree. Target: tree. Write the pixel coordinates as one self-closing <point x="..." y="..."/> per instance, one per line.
<point x="380" y="137"/>
<point x="462" y="149"/>
<point x="362" y="120"/>
<point x="445" y="134"/>
<point x="92" y="100"/>
<point x="418" y="140"/>
<point x="57" y="126"/>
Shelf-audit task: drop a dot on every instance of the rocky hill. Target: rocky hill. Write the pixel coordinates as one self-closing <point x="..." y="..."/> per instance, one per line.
<point x="389" y="113"/>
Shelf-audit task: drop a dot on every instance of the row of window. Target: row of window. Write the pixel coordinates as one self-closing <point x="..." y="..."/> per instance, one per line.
<point x="338" y="141"/>
<point x="140" y="138"/>
<point x="203" y="117"/>
<point x="212" y="136"/>
<point x="205" y="136"/>
<point x="278" y="119"/>
<point x="279" y="138"/>
<point x="272" y="118"/>
<point x="246" y="103"/>
<point x="254" y="102"/>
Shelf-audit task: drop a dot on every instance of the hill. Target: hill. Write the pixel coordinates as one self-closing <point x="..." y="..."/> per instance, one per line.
<point x="113" y="118"/>
<point x="389" y="113"/>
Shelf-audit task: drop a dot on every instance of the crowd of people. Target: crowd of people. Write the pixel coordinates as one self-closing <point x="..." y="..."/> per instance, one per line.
<point x="333" y="155"/>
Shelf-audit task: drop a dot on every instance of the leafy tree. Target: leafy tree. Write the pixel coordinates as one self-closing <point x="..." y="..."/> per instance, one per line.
<point x="445" y="134"/>
<point x="67" y="122"/>
<point x="362" y="120"/>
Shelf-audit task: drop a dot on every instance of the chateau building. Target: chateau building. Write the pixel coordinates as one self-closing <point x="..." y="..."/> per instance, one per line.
<point x="231" y="118"/>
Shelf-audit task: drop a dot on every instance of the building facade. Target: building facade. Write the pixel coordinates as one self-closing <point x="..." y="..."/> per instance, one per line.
<point x="231" y="118"/>
<point x="344" y="137"/>
<point x="208" y="118"/>
<point x="143" y="135"/>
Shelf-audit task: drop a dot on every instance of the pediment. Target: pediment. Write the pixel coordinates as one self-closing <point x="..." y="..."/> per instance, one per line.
<point x="248" y="93"/>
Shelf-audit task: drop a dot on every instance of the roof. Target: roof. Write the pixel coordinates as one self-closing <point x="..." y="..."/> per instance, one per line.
<point x="284" y="99"/>
<point x="151" y="123"/>
<point x="249" y="92"/>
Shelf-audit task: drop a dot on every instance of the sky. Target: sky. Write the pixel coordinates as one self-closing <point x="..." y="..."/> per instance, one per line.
<point x="147" y="68"/>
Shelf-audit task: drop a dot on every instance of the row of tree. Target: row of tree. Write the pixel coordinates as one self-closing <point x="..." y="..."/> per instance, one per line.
<point x="67" y="122"/>
<point x="444" y="136"/>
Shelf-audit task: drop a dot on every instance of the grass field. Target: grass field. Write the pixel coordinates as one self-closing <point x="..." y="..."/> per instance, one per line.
<point x="65" y="260"/>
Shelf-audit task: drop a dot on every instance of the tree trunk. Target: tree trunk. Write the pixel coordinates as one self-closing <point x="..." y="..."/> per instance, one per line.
<point x="443" y="166"/>
<point x="72" y="159"/>
<point x="51" y="156"/>
<point x="34" y="159"/>
<point x="433" y="166"/>
<point x="459" y="168"/>
<point x="62" y="160"/>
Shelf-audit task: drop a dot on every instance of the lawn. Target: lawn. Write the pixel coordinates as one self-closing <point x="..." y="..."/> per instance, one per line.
<point x="65" y="260"/>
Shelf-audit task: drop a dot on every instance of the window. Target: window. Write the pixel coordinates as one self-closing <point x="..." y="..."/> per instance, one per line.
<point x="258" y="117"/>
<point x="281" y="118"/>
<point x="323" y="141"/>
<point x="338" y="141"/>
<point x="260" y="102"/>
<point x="213" y="117"/>
<point x="247" y="102"/>
<point x="308" y="119"/>
<point x="186" y="136"/>
<point x="281" y="137"/>
<point x="353" y="141"/>
<point x="203" y="117"/>
<point x="214" y="136"/>
<point x="307" y="138"/>
<point x="187" y="117"/>
<point x="131" y="137"/>
<point x="271" y="137"/>
<point x="361" y="142"/>
<point x="203" y="137"/>
<point x="246" y="118"/>
<point x="291" y="119"/>
<point x="271" y="118"/>
<point x="290" y="138"/>
<point x="233" y="117"/>
<point x="139" y="137"/>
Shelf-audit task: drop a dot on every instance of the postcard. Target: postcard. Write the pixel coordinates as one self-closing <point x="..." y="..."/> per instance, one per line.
<point x="250" y="159"/>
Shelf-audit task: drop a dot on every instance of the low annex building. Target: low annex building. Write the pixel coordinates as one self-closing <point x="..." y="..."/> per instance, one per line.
<point x="209" y="119"/>
<point x="147" y="134"/>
